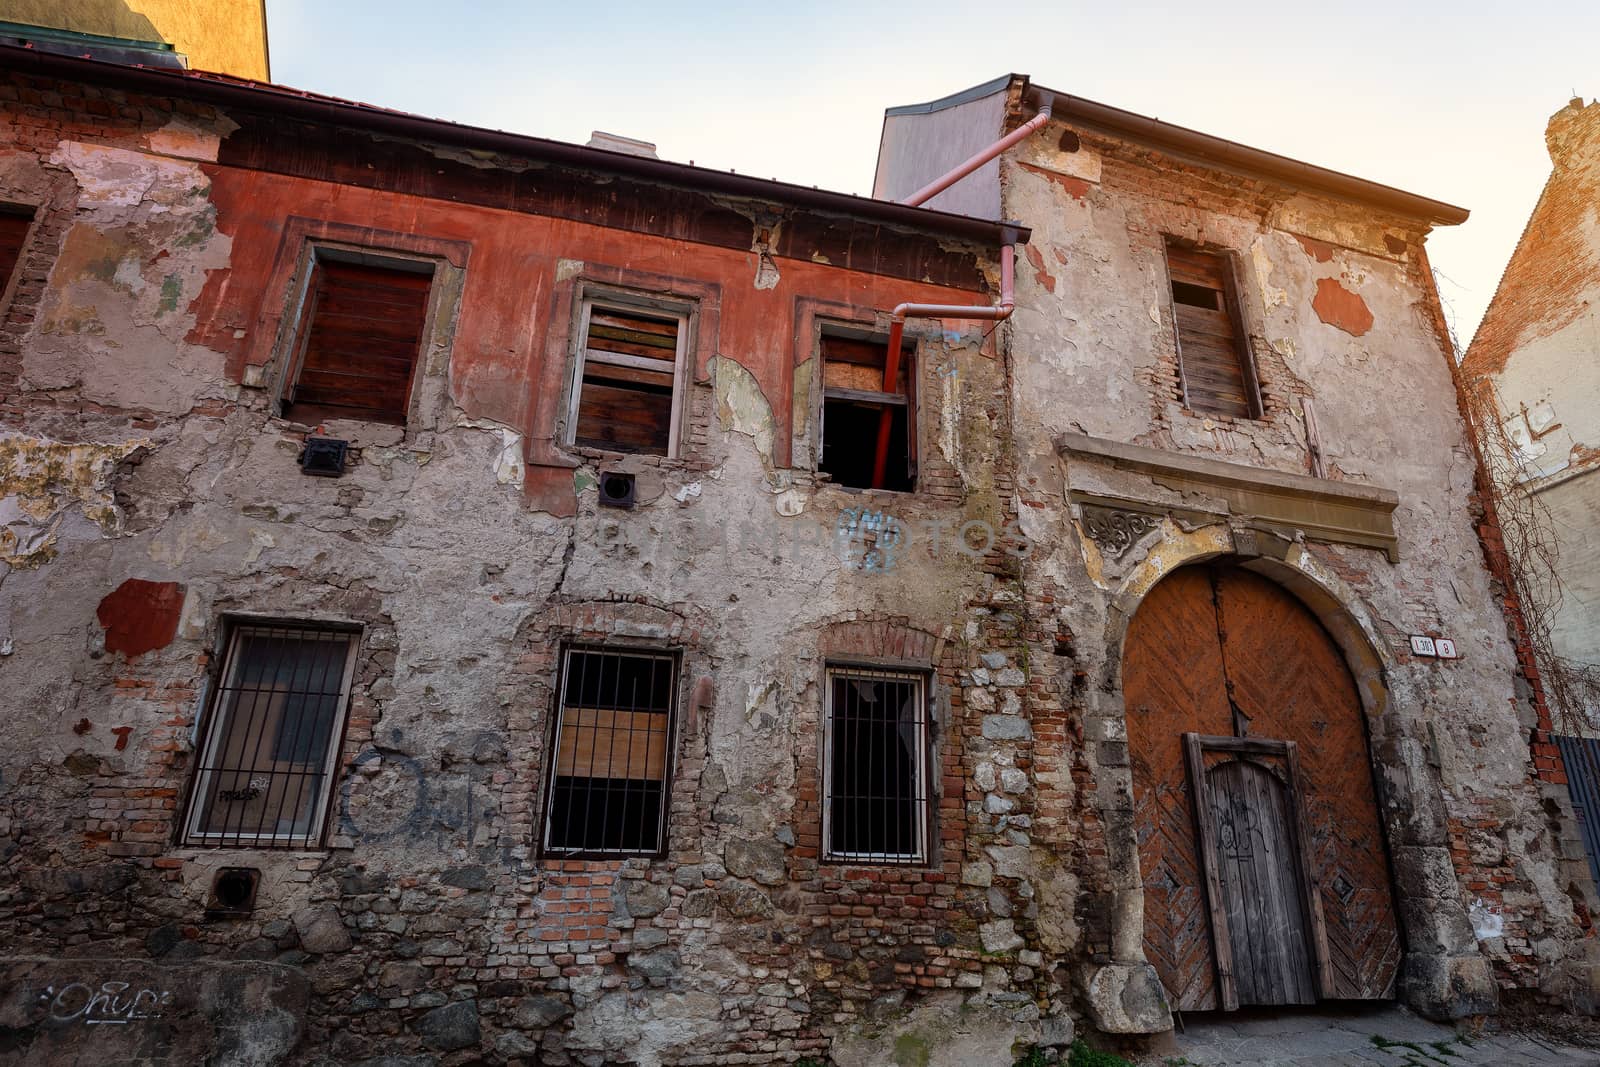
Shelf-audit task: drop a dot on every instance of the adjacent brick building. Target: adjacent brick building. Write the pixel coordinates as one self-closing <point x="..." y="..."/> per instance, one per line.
<point x="486" y="599"/>
<point x="1532" y="360"/>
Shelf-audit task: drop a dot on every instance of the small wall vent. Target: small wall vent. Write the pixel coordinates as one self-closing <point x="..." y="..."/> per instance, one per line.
<point x="233" y="893"/>
<point x="616" y="490"/>
<point x="324" y="456"/>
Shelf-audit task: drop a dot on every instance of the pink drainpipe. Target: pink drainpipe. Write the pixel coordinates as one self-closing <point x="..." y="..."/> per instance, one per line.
<point x="999" y="311"/>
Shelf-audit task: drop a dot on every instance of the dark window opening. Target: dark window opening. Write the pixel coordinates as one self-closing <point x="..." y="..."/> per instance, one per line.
<point x="876" y="798"/>
<point x="14" y="223"/>
<point x="1197" y="296"/>
<point x="857" y="411"/>
<point x="1217" y="373"/>
<point x="612" y="744"/>
<point x="266" y="767"/>
<point x="361" y="332"/>
<point x="626" y="396"/>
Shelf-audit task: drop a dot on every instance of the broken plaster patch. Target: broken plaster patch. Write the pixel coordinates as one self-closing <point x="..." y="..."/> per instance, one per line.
<point x="950" y="437"/>
<point x="741" y="405"/>
<point x="43" y="482"/>
<point x="1341" y="308"/>
<point x="507" y="464"/>
<point x="184" y="139"/>
<point x="118" y="178"/>
<point x="1487" y="922"/>
<point x="1271" y="296"/>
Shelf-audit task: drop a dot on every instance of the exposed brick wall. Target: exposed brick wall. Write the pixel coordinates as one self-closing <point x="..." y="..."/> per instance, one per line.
<point x="1554" y="267"/>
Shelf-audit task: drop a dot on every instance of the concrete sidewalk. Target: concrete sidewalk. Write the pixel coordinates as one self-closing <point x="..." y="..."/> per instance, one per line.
<point x="1390" y="1035"/>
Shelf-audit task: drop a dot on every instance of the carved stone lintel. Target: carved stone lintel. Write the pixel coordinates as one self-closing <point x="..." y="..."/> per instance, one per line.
<point x="1116" y="531"/>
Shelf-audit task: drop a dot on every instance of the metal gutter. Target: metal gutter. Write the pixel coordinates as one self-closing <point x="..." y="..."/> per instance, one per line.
<point x="261" y="97"/>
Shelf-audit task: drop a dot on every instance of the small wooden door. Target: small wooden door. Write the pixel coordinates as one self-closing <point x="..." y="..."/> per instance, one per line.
<point x="1228" y="656"/>
<point x="1270" y="942"/>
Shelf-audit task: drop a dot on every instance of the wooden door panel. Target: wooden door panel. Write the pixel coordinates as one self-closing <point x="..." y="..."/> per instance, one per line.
<point x="1172" y="684"/>
<point x="1290" y="681"/>
<point x="1259" y="878"/>
<point x="1200" y="634"/>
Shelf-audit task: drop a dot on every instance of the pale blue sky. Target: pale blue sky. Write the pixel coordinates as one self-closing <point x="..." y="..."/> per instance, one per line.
<point x="1444" y="99"/>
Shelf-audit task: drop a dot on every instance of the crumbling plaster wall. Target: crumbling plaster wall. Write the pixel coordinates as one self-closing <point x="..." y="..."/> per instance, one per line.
<point x="431" y="924"/>
<point x="1337" y="304"/>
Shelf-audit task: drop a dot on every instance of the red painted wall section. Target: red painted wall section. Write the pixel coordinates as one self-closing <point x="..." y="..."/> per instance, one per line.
<point x="140" y="616"/>
<point x="1338" y="306"/>
<point x="1321" y="251"/>
<point x="510" y="288"/>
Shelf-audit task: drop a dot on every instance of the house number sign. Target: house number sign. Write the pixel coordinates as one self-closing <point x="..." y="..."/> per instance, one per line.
<point x="1441" y="647"/>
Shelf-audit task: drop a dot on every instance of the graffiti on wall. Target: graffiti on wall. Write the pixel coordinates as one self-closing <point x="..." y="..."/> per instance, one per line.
<point x="113" y="1004"/>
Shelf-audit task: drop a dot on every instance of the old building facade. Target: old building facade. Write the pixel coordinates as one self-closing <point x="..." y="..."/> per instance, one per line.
<point x="1247" y="485"/>
<point x="478" y="598"/>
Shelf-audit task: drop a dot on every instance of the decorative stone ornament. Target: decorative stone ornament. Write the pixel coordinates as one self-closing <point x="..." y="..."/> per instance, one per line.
<point x="1116" y="531"/>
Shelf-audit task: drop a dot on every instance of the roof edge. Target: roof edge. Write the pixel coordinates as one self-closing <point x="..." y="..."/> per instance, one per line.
<point x="965" y="96"/>
<point x="257" y="96"/>
<point x="1202" y="147"/>
<point x="1219" y="151"/>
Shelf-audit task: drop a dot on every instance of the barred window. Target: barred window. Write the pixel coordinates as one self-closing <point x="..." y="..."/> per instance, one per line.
<point x="875" y="804"/>
<point x="271" y="740"/>
<point x="612" y="755"/>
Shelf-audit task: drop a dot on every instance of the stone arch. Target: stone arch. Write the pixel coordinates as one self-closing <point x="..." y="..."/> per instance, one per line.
<point x="1442" y="973"/>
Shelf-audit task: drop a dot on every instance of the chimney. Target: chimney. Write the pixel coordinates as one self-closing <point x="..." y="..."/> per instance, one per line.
<point x="1572" y="132"/>
<point x="612" y="142"/>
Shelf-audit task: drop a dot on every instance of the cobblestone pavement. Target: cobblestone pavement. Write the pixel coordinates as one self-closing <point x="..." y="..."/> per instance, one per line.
<point x="1391" y="1036"/>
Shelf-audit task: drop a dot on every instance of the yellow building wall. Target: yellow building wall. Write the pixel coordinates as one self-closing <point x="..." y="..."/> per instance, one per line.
<point x="227" y="36"/>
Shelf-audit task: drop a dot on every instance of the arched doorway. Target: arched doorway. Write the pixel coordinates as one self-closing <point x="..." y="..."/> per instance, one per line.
<point x="1260" y="847"/>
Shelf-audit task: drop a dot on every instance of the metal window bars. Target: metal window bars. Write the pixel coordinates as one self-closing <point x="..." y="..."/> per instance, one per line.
<point x="611" y="760"/>
<point x="271" y="744"/>
<point x="876" y="794"/>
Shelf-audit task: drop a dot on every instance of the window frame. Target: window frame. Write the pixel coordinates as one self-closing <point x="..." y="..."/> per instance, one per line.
<point x="1233" y="307"/>
<point x="319" y="252"/>
<point x="924" y="807"/>
<point x="911" y="354"/>
<point x="553" y="755"/>
<point x="30" y="213"/>
<point x="211" y="730"/>
<point x="621" y="300"/>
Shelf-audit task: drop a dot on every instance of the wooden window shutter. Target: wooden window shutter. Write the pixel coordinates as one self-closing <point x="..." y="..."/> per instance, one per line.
<point x="1214" y="364"/>
<point x="630" y="365"/>
<point x="362" y="332"/>
<point x="13" y="232"/>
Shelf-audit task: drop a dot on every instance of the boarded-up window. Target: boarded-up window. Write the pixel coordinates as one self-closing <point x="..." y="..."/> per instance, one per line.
<point x="875" y="807"/>
<point x="610" y="767"/>
<point x="267" y="762"/>
<point x="629" y="380"/>
<point x="14" y="225"/>
<point x="359" y="338"/>
<point x="1218" y="375"/>
<point x="868" y="429"/>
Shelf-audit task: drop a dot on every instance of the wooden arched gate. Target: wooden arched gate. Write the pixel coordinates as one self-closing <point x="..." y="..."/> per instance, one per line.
<point x="1260" y="846"/>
